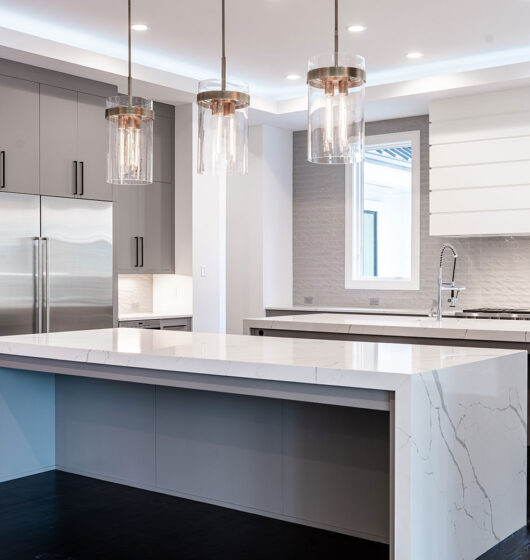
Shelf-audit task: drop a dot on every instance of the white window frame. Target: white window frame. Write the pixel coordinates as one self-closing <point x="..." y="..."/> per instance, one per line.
<point x="354" y="229"/>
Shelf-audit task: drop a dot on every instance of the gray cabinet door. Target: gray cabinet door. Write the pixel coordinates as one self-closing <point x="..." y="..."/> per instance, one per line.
<point x="19" y="136"/>
<point x="92" y="147"/>
<point x="163" y="140"/>
<point x="58" y="141"/>
<point x="130" y="228"/>
<point x="157" y="207"/>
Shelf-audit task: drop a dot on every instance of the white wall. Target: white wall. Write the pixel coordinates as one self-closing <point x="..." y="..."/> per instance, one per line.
<point x="259" y="228"/>
<point x="208" y="241"/>
<point x="278" y="217"/>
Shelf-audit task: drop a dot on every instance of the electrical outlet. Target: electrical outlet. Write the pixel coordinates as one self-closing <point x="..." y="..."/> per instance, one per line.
<point x="374" y="301"/>
<point x="203" y="270"/>
<point x="308" y="300"/>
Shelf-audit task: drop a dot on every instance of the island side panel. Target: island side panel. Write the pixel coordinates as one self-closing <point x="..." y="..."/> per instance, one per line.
<point x="27" y="423"/>
<point x="467" y="451"/>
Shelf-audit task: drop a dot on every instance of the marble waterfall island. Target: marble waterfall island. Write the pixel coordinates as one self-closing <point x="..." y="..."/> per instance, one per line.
<point x="421" y="447"/>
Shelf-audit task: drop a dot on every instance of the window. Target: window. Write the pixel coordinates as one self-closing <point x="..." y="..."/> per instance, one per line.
<point x="383" y="214"/>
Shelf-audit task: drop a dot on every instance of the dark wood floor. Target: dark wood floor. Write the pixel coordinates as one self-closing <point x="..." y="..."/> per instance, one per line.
<point x="58" y="516"/>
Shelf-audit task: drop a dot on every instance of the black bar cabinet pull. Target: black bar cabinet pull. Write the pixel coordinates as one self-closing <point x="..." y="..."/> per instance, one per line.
<point x="82" y="178"/>
<point x="142" y="253"/>
<point x="136" y="239"/>
<point x="75" y="177"/>
<point x="3" y="154"/>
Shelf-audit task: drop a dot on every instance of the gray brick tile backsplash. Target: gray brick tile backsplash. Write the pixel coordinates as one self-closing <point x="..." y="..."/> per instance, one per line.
<point x="495" y="270"/>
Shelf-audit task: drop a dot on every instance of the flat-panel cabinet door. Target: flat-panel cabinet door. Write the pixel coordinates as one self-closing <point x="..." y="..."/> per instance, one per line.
<point x="163" y="140"/>
<point x="19" y="136"/>
<point x="58" y="141"/>
<point x="159" y="232"/>
<point x="130" y="228"/>
<point x="92" y="147"/>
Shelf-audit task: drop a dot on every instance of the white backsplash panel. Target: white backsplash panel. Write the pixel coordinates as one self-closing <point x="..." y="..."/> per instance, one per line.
<point x="135" y="293"/>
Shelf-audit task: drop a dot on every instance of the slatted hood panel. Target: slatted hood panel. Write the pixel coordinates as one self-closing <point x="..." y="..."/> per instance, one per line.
<point x="480" y="164"/>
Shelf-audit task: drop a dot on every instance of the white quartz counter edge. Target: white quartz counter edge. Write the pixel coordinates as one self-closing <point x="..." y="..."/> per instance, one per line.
<point x="327" y="362"/>
<point x="355" y="310"/>
<point x="148" y="316"/>
<point x="424" y="327"/>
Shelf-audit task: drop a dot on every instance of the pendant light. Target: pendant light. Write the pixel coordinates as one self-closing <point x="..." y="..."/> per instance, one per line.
<point x="223" y="123"/>
<point x="336" y="106"/>
<point x="130" y="134"/>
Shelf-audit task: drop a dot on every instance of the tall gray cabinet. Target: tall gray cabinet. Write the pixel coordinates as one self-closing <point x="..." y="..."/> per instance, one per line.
<point x="146" y="229"/>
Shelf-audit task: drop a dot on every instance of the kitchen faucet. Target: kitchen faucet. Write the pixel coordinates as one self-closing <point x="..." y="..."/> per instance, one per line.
<point x="447" y="286"/>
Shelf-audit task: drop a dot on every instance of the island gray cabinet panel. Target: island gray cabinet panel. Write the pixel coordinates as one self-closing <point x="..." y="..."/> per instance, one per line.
<point x="73" y="143"/>
<point x="145" y="228"/>
<point x="19" y="135"/>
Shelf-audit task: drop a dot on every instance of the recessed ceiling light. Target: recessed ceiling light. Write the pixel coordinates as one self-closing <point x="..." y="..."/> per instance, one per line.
<point x="139" y="27"/>
<point x="293" y="76"/>
<point x="356" y="28"/>
<point x="414" y="55"/>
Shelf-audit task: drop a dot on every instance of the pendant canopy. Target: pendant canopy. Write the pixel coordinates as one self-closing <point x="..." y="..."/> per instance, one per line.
<point x="223" y="123"/>
<point x="130" y="134"/>
<point x="336" y="84"/>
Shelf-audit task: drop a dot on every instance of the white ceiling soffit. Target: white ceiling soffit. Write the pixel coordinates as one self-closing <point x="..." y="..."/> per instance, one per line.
<point x="487" y="49"/>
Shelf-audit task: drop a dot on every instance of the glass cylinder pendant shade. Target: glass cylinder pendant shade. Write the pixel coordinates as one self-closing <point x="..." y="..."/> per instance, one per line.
<point x="336" y="108"/>
<point x="223" y="128"/>
<point x="130" y="136"/>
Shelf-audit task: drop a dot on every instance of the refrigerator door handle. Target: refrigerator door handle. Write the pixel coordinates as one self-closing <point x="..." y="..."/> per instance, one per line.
<point x="3" y="154"/>
<point x="142" y="252"/>
<point x="137" y="241"/>
<point x="38" y="283"/>
<point x="47" y="284"/>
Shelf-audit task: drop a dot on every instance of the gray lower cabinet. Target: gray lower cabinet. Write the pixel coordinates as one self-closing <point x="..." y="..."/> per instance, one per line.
<point x="73" y="144"/>
<point x="145" y="228"/>
<point x="19" y="135"/>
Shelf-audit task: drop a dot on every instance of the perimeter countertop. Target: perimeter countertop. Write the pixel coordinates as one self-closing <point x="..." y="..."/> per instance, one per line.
<point x="149" y="316"/>
<point x="391" y="325"/>
<point x="329" y="362"/>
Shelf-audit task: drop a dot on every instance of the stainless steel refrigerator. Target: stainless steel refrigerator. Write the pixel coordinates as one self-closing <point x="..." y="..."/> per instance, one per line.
<point x="55" y="264"/>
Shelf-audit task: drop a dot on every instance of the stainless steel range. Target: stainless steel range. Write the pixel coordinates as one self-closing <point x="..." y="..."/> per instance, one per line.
<point x="520" y="314"/>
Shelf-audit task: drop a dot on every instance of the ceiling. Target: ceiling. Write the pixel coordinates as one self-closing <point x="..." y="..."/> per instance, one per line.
<point x="266" y="39"/>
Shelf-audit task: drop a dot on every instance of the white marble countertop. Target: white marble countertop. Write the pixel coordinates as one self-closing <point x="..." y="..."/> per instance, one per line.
<point x="148" y="316"/>
<point x="329" y="362"/>
<point x="361" y="310"/>
<point x="425" y="327"/>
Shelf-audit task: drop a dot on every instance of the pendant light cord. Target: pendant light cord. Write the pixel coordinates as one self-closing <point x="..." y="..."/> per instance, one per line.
<point x="129" y="79"/>
<point x="336" y="32"/>
<point x="223" y="60"/>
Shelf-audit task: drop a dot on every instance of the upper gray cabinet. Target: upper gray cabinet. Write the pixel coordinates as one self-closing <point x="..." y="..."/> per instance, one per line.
<point x="92" y="146"/>
<point x="73" y="144"/>
<point x="19" y="135"/>
<point x="163" y="141"/>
